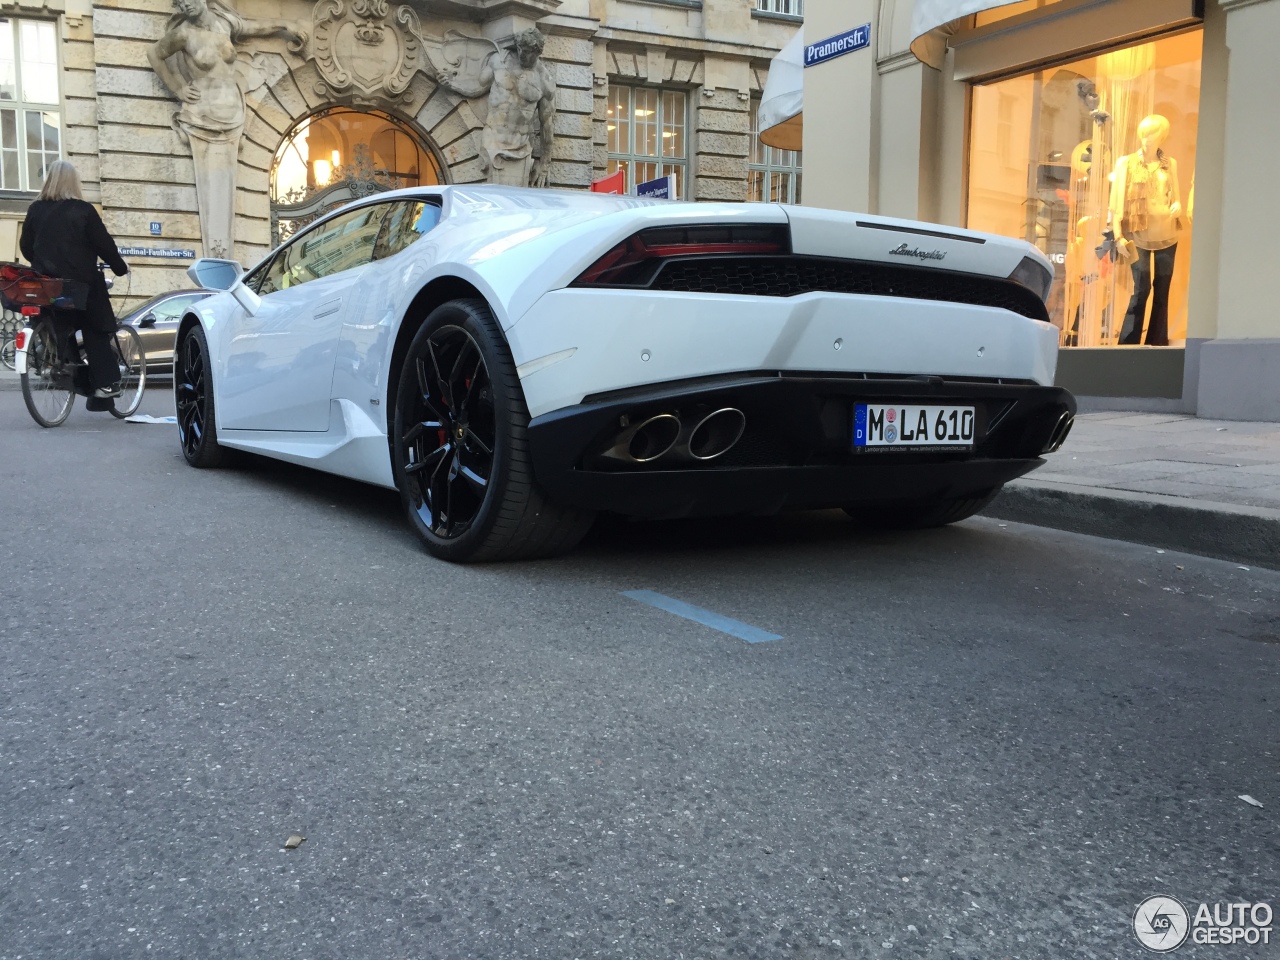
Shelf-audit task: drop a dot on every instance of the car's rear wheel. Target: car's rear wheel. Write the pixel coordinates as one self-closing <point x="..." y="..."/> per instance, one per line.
<point x="193" y="393"/>
<point x="918" y="514"/>
<point x="460" y="446"/>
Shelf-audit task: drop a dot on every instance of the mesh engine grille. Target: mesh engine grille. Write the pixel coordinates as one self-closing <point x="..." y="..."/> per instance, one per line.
<point x="791" y="276"/>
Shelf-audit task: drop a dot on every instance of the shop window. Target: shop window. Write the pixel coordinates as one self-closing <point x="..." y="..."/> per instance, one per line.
<point x="30" y="119"/>
<point x="773" y="175"/>
<point x="647" y="134"/>
<point x="1094" y="163"/>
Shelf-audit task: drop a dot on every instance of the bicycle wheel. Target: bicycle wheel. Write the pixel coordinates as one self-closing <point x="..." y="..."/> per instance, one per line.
<point x="46" y="386"/>
<point x="8" y="354"/>
<point x="133" y="371"/>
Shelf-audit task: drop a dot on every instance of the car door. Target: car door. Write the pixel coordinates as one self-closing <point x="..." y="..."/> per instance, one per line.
<point x="278" y="363"/>
<point x="368" y="326"/>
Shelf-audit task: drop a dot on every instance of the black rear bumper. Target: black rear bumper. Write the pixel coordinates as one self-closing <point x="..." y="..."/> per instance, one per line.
<point x="796" y="450"/>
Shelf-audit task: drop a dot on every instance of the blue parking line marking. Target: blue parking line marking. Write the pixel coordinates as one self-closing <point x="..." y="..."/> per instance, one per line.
<point x="735" y="628"/>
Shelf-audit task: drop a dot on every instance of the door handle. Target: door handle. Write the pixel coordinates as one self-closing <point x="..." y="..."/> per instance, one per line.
<point x="328" y="308"/>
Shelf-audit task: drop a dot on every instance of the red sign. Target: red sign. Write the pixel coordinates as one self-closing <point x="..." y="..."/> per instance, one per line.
<point x="614" y="183"/>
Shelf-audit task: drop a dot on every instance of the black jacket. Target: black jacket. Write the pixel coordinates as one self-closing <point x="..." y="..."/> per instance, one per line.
<point x="66" y="238"/>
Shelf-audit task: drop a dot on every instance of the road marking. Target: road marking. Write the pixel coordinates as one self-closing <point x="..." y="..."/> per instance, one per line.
<point x="736" y="628"/>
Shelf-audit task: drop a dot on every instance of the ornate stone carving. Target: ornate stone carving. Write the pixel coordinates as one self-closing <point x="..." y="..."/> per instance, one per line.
<point x="364" y="51"/>
<point x="522" y="102"/>
<point x="196" y="60"/>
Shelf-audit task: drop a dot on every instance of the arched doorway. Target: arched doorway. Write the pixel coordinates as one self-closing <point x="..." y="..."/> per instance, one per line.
<point x="339" y="155"/>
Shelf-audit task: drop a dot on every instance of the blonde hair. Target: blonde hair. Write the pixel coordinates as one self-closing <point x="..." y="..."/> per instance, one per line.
<point x="62" y="182"/>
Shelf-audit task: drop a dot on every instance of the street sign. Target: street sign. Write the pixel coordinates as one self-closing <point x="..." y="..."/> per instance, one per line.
<point x="837" y="46"/>
<point x="155" y="228"/>
<point x="664" y="188"/>
<point x="614" y="183"/>
<point x="168" y="253"/>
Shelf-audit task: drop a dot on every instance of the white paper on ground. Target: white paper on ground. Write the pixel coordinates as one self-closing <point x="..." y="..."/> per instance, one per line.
<point x="148" y="418"/>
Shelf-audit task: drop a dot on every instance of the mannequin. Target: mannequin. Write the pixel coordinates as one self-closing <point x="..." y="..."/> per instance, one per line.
<point x="1146" y="214"/>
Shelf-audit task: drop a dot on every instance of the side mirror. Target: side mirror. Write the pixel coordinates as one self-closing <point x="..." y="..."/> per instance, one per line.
<point x="148" y="321"/>
<point x="215" y="274"/>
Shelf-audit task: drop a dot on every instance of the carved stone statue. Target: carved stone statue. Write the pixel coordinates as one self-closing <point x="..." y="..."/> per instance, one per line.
<point x="196" y="60"/>
<point x="522" y="102"/>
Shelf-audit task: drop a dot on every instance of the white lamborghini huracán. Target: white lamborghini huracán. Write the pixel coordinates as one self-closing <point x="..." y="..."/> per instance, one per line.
<point x="513" y="361"/>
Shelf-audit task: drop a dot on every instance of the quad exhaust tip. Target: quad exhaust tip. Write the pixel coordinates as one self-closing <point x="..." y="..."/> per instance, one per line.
<point x="716" y="433"/>
<point x="1060" y="431"/>
<point x="711" y="435"/>
<point x="647" y="440"/>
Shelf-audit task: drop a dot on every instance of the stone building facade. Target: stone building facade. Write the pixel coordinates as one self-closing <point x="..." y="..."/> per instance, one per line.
<point x="685" y="71"/>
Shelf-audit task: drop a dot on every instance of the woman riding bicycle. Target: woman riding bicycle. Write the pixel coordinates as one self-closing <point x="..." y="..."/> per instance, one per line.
<point x="63" y="236"/>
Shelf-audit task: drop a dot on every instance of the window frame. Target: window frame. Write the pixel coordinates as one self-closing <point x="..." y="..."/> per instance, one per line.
<point x="21" y="107"/>
<point x="627" y="160"/>
<point x="794" y="172"/>
<point x="780" y="8"/>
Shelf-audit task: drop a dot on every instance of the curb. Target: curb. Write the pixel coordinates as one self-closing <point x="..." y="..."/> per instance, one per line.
<point x="9" y="381"/>
<point x="1223" y="530"/>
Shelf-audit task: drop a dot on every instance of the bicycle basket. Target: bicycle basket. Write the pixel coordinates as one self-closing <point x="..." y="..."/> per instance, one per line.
<point x="22" y="287"/>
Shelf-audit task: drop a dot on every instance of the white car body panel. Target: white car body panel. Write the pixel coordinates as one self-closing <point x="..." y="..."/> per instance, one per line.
<point x="307" y="378"/>
<point x="695" y="335"/>
<point x="831" y="233"/>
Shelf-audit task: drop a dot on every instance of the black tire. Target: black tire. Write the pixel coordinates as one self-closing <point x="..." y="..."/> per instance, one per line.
<point x="133" y="371"/>
<point x="918" y="514"/>
<point x="8" y="353"/>
<point x="47" y="387"/>
<point x="193" y="397"/>
<point x="462" y="463"/>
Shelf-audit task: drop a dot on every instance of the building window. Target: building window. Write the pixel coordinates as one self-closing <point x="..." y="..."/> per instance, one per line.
<point x="647" y="134"/>
<point x="794" y="8"/>
<point x="773" y="175"/>
<point x="1094" y="163"/>
<point x="30" y="118"/>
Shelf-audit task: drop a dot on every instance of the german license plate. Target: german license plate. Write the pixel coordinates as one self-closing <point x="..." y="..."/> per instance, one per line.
<point x="905" y="426"/>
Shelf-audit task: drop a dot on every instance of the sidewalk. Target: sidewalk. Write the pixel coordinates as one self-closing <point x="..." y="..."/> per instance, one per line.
<point x="1204" y="486"/>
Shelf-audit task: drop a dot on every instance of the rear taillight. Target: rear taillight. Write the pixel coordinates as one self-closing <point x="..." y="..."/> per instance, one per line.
<point x="20" y="341"/>
<point x="635" y="261"/>
<point x="31" y="311"/>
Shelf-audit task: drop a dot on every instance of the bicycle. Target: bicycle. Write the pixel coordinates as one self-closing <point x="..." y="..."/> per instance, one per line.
<point x="9" y="353"/>
<point x="51" y="381"/>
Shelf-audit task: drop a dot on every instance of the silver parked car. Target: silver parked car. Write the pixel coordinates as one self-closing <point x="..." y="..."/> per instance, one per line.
<point x="157" y="324"/>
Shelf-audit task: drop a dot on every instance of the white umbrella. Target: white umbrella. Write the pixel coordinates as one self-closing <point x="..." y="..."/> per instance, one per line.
<point x="781" y="121"/>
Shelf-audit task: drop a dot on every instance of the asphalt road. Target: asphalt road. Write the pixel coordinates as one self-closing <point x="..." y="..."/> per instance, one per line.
<point x="986" y="741"/>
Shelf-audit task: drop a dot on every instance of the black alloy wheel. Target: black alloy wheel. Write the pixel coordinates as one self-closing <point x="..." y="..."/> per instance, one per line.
<point x="193" y="393"/>
<point x="460" y="446"/>
<point x="450" y="446"/>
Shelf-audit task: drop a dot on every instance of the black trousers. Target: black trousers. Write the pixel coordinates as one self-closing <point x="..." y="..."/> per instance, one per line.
<point x="104" y="368"/>
<point x="1158" y="326"/>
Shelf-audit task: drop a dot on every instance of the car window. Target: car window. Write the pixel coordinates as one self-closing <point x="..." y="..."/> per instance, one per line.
<point x="257" y="275"/>
<point x="407" y="221"/>
<point x="343" y="243"/>
<point x="174" y="307"/>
